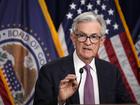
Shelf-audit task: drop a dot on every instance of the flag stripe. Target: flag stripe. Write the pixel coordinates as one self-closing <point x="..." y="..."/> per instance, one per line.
<point x="111" y="53"/>
<point x="51" y="27"/>
<point x="126" y="67"/>
<point x="103" y="54"/>
<point x="127" y="31"/>
<point x="126" y="46"/>
<point x="118" y="63"/>
<point x="114" y="59"/>
<point x="1" y="100"/>
<point x="62" y="40"/>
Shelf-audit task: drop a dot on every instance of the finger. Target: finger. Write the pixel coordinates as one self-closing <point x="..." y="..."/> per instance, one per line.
<point x="63" y="84"/>
<point x="75" y="82"/>
<point x="70" y="77"/>
<point x="75" y="85"/>
<point x="64" y="81"/>
<point x="67" y="82"/>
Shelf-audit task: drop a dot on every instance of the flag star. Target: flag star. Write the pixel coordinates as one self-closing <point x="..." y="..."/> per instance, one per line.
<point x="98" y="2"/>
<point x="79" y="11"/>
<point x="14" y="78"/>
<point x="96" y="11"/>
<point x="42" y="43"/>
<point x="72" y="6"/>
<point x="110" y="12"/>
<point x="107" y="31"/>
<point x="69" y="15"/>
<point x="10" y="80"/>
<point x="108" y="21"/>
<point x="12" y="73"/>
<point x="9" y="64"/>
<point x="115" y="26"/>
<point x="89" y="6"/>
<point x="6" y="66"/>
<point x="82" y="2"/>
<point x="103" y="7"/>
<point x="18" y="85"/>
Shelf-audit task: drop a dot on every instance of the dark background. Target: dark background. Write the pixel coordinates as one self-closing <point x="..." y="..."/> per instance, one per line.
<point x="131" y="11"/>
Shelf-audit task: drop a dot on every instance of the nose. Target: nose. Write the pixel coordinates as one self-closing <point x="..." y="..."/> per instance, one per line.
<point x="88" y="42"/>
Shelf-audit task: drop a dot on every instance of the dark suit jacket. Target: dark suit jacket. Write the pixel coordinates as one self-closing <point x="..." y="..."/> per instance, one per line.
<point x="111" y="87"/>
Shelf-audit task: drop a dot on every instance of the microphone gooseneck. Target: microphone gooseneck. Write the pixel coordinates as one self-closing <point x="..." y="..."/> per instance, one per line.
<point x="81" y="72"/>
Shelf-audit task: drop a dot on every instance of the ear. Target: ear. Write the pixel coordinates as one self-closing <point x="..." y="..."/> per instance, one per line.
<point x="102" y="40"/>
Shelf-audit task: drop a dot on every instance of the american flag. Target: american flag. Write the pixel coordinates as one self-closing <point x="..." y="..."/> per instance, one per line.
<point x="118" y="48"/>
<point x="5" y="97"/>
<point x="12" y="81"/>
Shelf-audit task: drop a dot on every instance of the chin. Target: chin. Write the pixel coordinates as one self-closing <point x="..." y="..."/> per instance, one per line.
<point x="88" y="57"/>
<point x="88" y="54"/>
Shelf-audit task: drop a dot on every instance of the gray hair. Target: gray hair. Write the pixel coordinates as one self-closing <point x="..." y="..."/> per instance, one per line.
<point x="88" y="17"/>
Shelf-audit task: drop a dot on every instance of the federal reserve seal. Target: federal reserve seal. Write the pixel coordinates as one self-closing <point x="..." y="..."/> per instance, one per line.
<point x="21" y="56"/>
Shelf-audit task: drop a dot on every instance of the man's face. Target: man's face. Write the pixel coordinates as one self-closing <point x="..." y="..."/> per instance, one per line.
<point x="87" y="49"/>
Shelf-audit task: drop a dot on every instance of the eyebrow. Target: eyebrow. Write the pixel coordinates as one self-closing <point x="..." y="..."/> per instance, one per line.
<point x="88" y="34"/>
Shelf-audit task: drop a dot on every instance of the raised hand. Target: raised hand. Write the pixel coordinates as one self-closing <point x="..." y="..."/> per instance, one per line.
<point x="67" y="87"/>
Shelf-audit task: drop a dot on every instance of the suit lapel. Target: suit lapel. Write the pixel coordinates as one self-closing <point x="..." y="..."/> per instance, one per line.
<point x="68" y="68"/>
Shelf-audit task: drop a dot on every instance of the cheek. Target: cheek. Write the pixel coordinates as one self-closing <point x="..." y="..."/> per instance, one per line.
<point x="95" y="48"/>
<point x="78" y="45"/>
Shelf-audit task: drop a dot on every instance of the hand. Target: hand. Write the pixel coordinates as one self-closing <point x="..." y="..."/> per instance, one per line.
<point x="67" y="87"/>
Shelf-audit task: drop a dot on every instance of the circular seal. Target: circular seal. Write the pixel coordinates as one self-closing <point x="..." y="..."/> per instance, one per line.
<point x="23" y="55"/>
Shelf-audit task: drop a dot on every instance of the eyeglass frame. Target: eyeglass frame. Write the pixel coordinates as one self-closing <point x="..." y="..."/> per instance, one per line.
<point x="94" y="35"/>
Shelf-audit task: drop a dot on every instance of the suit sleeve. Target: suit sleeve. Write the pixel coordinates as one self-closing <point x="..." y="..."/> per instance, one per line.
<point x="44" y="90"/>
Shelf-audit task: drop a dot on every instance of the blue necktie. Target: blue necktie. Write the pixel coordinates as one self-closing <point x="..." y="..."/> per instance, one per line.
<point x="88" y="87"/>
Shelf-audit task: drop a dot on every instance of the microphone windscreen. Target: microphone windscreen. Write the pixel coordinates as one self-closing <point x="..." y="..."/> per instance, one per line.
<point x="81" y="70"/>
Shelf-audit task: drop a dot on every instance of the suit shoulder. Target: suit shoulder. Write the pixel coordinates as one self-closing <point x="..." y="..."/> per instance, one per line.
<point x="105" y="64"/>
<point x="57" y="62"/>
<point x="107" y="68"/>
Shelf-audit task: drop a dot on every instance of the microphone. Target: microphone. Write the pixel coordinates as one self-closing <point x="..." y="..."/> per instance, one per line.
<point x="81" y="72"/>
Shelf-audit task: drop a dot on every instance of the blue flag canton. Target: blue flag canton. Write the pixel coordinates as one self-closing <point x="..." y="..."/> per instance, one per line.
<point x="11" y="77"/>
<point x="105" y="8"/>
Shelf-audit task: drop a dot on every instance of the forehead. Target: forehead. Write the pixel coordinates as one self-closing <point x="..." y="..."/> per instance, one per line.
<point x="89" y="27"/>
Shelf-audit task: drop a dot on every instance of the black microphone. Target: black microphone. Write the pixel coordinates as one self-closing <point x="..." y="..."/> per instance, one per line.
<point x="81" y="72"/>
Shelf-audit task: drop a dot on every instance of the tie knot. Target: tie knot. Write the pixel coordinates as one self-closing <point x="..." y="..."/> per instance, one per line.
<point x="87" y="67"/>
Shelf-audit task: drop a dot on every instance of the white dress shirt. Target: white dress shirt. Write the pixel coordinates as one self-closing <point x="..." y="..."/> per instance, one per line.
<point x="80" y="64"/>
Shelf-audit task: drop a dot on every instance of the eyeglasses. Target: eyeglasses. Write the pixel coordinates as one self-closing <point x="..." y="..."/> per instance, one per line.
<point x="82" y="37"/>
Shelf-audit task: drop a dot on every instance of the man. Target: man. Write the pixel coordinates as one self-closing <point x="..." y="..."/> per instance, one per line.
<point x="98" y="82"/>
